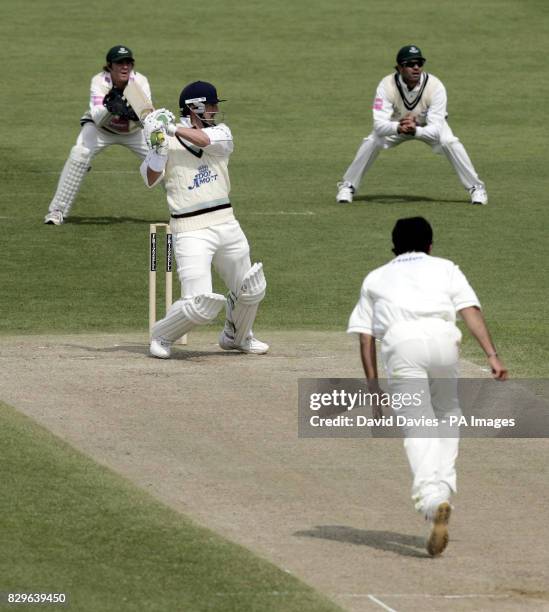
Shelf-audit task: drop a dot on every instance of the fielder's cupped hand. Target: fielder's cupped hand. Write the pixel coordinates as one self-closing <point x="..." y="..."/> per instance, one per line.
<point x="407" y="125"/>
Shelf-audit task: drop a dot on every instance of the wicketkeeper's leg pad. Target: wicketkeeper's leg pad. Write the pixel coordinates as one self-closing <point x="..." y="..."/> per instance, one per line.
<point x="71" y="178"/>
<point x="242" y="308"/>
<point x="186" y="313"/>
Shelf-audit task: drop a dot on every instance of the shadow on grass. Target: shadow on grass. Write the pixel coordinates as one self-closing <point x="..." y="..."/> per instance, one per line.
<point x="106" y="220"/>
<point x="390" y="541"/>
<point x="179" y="351"/>
<point x="403" y="198"/>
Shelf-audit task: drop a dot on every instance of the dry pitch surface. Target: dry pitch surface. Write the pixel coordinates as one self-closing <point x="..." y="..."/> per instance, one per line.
<point x="214" y="435"/>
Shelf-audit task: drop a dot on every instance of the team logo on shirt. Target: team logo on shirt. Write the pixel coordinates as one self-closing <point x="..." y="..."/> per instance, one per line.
<point x="203" y="175"/>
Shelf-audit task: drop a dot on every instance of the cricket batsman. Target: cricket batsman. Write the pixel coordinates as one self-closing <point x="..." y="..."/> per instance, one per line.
<point x="192" y="158"/>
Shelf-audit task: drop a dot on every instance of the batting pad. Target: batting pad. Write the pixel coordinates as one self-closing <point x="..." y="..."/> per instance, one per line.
<point x="242" y="309"/>
<point x="187" y="313"/>
<point x="71" y="178"/>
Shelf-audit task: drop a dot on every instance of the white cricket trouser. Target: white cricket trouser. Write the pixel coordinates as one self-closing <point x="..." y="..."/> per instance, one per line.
<point x="446" y="143"/>
<point x="90" y="142"/>
<point x="422" y="357"/>
<point x="96" y="140"/>
<point x="223" y="245"/>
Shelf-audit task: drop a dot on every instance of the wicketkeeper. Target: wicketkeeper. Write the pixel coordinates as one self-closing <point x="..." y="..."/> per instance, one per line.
<point x="109" y="121"/>
<point x="192" y="157"/>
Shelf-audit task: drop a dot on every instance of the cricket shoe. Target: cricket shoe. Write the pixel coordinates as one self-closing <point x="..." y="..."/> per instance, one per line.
<point x="345" y="193"/>
<point x="55" y="217"/>
<point x="160" y="348"/>
<point x="250" y="345"/>
<point x="478" y="195"/>
<point x="438" y="538"/>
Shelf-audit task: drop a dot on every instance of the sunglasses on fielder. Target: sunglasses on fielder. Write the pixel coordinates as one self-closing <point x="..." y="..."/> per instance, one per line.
<point x="413" y="63"/>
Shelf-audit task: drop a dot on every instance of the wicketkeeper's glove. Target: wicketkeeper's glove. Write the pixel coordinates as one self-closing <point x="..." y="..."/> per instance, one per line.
<point x="116" y="105"/>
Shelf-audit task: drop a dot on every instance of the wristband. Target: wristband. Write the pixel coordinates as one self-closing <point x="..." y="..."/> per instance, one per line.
<point x="171" y="129"/>
<point x="494" y="354"/>
<point x="156" y="162"/>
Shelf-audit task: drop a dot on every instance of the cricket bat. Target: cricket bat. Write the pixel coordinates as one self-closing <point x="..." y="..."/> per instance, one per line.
<point x="142" y="106"/>
<point x="136" y="98"/>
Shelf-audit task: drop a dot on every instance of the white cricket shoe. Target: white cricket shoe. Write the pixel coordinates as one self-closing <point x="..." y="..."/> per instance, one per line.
<point x="250" y="345"/>
<point x="478" y="195"/>
<point x="345" y="193"/>
<point x="162" y="349"/>
<point x="55" y="217"/>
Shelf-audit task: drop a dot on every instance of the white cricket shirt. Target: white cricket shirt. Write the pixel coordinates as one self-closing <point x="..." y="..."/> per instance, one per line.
<point x="411" y="287"/>
<point x="197" y="180"/>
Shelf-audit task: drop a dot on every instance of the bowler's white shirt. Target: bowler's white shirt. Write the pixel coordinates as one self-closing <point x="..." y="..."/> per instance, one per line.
<point x="410" y="287"/>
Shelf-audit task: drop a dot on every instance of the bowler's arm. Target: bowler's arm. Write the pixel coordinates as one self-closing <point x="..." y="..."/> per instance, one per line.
<point x="473" y="318"/>
<point x="368" y="357"/>
<point x="369" y="363"/>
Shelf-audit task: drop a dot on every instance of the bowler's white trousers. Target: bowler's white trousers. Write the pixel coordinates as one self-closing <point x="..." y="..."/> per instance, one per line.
<point x="422" y="357"/>
<point x="446" y="143"/>
<point x="223" y="245"/>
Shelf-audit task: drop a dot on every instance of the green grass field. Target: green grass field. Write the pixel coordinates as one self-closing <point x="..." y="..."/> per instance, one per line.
<point x="72" y="527"/>
<point x="299" y="77"/>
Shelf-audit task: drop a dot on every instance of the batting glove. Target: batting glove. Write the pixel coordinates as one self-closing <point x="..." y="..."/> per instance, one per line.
<point x="163" y="115"/>
<point x="166" y="117"/>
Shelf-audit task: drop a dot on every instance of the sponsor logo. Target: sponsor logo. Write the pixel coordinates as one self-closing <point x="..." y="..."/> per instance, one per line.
<point x="378" y="104"/>
<point x="203" y="176"/>
<point x="119" y="125"/>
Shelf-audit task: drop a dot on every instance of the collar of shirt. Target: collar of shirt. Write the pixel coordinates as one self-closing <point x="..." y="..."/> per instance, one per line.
<point x="409" y="256"/>
<point x="411" y="94"/>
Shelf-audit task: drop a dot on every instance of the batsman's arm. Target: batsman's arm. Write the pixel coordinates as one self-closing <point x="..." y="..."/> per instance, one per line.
<point x="197" y="137"/>
<point x="152" y="175"/>
<point x="473" y="318"/>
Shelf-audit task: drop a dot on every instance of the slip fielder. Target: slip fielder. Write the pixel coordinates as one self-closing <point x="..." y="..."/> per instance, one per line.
<point x="411" y="105"/>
